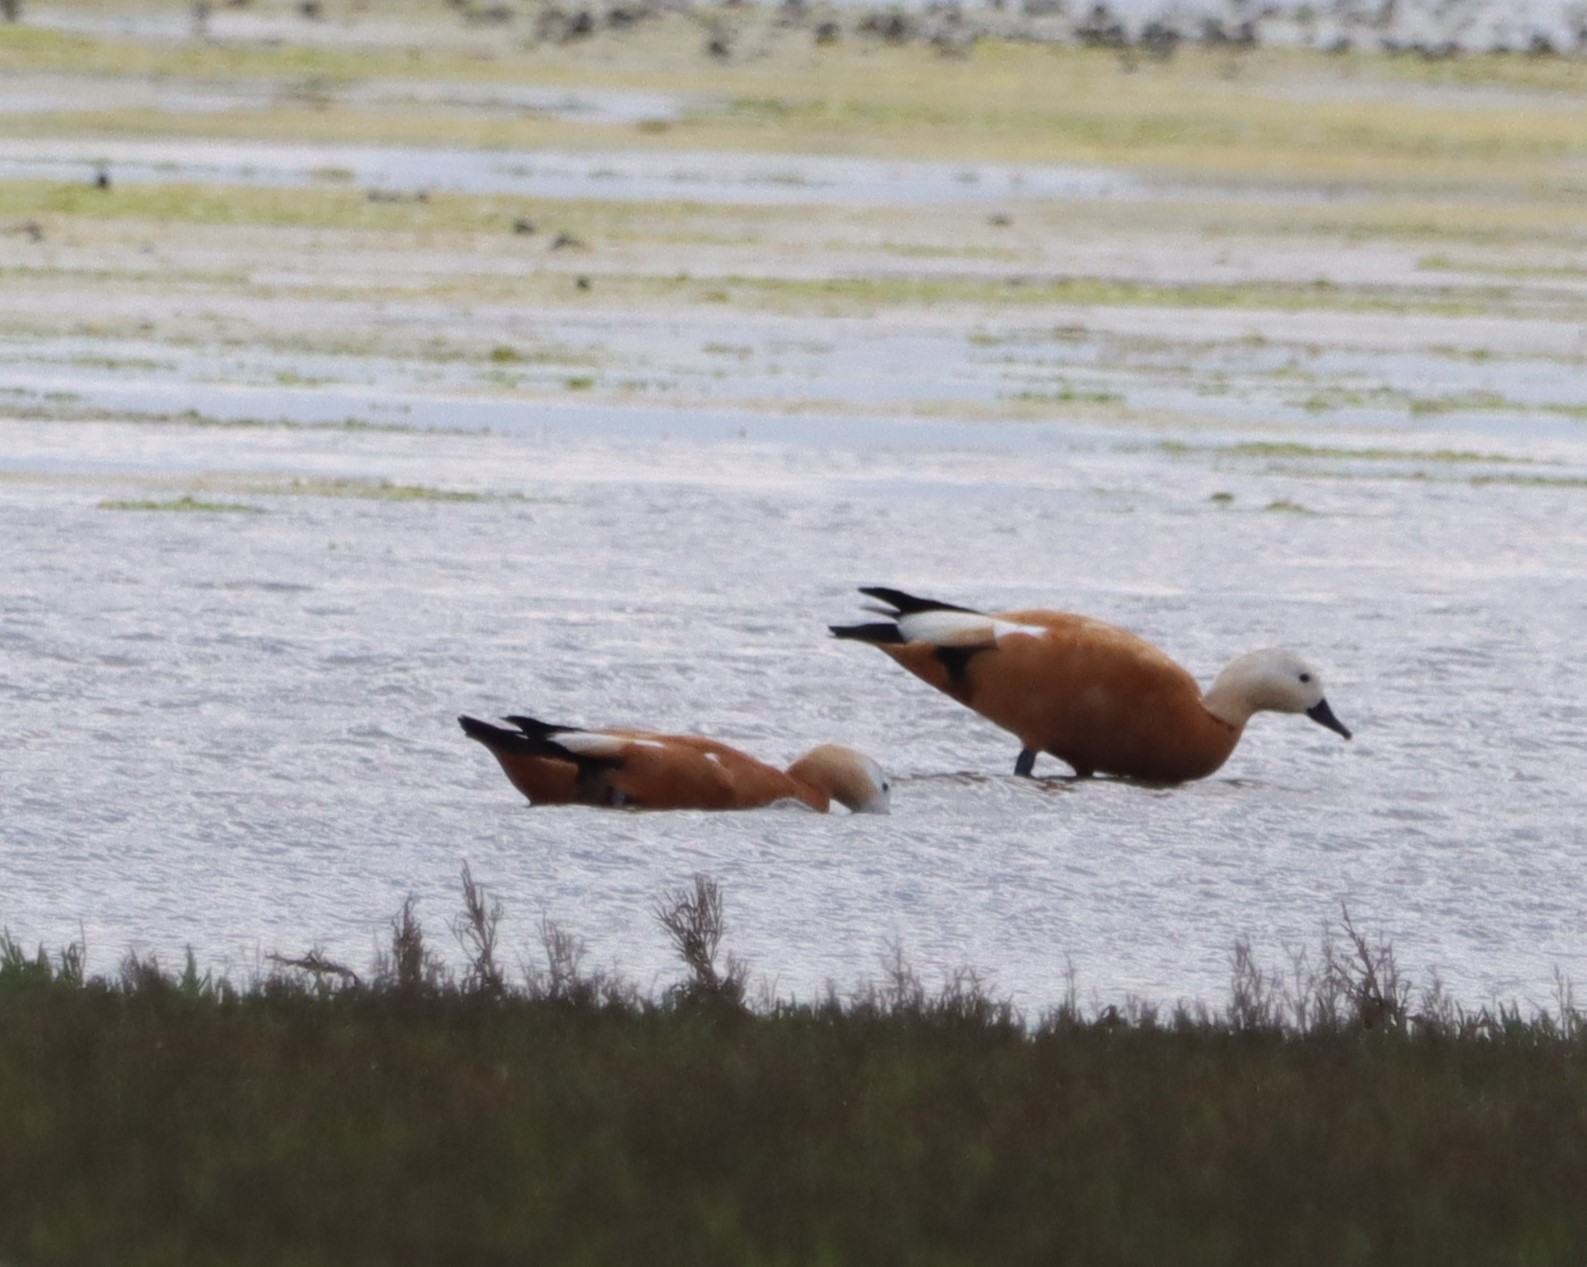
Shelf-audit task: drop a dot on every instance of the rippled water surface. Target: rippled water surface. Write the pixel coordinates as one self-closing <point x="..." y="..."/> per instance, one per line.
<point x="279" y="501"/>
<point x="743" y="178"/>
<point x="236" y="730"/>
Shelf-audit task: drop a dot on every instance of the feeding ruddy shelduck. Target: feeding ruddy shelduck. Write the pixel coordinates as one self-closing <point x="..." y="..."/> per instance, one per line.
<point x="1089" y="693"/>
<point x="564" y="765"/>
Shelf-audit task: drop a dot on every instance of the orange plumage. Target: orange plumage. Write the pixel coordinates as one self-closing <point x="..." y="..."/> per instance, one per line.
<point x="558" y="765"/>
<point x="1093" y="695"/>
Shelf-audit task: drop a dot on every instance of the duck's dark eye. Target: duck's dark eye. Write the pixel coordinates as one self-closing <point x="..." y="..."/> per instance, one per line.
<point x="1305" y="677"/>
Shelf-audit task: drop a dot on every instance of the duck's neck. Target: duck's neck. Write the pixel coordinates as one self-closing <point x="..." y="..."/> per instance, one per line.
<point x="1229" y="698"/>
<point x="834" y="773"/>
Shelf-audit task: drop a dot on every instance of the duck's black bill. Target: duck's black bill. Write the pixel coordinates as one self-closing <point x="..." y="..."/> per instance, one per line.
<point x="1324" y="716"/>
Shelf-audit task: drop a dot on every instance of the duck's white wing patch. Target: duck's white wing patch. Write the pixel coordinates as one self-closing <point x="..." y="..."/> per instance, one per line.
<point x="960" y="629"/>
<point x="1004" y="628"/>
<point x="591" y="743"/>
<point x="948" y="629"/>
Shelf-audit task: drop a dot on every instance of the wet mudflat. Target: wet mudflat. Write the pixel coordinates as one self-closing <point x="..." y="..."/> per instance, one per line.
<point x="289" y="477"/>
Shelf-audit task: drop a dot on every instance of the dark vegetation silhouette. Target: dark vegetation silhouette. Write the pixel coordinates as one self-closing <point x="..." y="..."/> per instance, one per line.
<point x="419" y="1112"/>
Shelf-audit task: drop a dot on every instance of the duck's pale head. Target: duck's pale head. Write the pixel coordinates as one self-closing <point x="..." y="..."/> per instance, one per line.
<point x="1273" y="680"/>
<point x="849" y="777"/>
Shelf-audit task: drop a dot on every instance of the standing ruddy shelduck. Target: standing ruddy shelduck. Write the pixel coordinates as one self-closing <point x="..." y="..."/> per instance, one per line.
<point x="564" y="765"/>
<point x="1087" y="692"/>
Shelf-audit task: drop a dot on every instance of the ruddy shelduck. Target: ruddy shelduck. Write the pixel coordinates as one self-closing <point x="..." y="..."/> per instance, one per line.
<point x="1091" y="694"/>
<point x="565" y="765"/>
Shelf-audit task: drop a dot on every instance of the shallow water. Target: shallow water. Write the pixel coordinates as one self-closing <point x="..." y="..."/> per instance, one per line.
<point x="873" y="383"/>
<point x="749" y="179"/>
<point x="47" y="93"/>
<point x="237" y="730"/>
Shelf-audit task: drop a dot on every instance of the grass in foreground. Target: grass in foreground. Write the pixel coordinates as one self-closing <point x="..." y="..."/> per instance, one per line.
<point x="316" y="1116"/>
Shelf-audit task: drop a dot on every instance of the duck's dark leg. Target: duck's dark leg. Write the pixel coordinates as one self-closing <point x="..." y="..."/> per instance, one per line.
<point x="1026" y="763"/>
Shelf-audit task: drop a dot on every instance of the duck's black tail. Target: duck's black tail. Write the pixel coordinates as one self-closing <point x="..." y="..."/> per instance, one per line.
<point x="885" y="633"/>
<point x="531" y="739"/>
<point x="908" y="604"/>
<point x="877" y="633"/>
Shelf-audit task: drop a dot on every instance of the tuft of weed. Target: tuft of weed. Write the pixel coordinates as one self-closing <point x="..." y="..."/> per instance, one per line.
<point x="475" y="930"/>
<point x="184" y="503"/>
<point x="693" y="919"/>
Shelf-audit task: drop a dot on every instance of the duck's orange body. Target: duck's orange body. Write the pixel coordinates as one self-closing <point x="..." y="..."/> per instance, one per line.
<point x="645" y="770"/>
<point x="1091" y="694"/>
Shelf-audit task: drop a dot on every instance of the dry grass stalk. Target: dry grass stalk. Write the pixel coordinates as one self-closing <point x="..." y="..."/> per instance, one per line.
<point x="693" y="919"/>
<point x="1368" y="978"/>
<point x="475" y="930"/>
<point x="318" y="965"/>
<point x="408" y="968"/>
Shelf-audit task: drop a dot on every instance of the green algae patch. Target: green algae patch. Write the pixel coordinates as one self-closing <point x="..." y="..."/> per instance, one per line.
<point x="1294" y="450"/>
<point x="1490" y="402"/>
<point x="1517" y="480"/>
<point x="205" y="493"/>
<point x="1326" y="399"/>
<point x="325" y="207"/>
<point x="914" y="250"/>
<point x="365" y="490"/>
<point x="339" y="206"/>
<point x="1067" y="396"/>
<point x="1422" y="406"/>
<point x="37" y="50"/>
<point x="66" y="408"/>
<point x="1104" y="292"/>
<point x="185" y="503"/>
<point x="134" y="276"/>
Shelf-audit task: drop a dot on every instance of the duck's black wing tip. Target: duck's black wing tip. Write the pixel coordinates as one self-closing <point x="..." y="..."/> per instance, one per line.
<point x="908" y="604"/>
